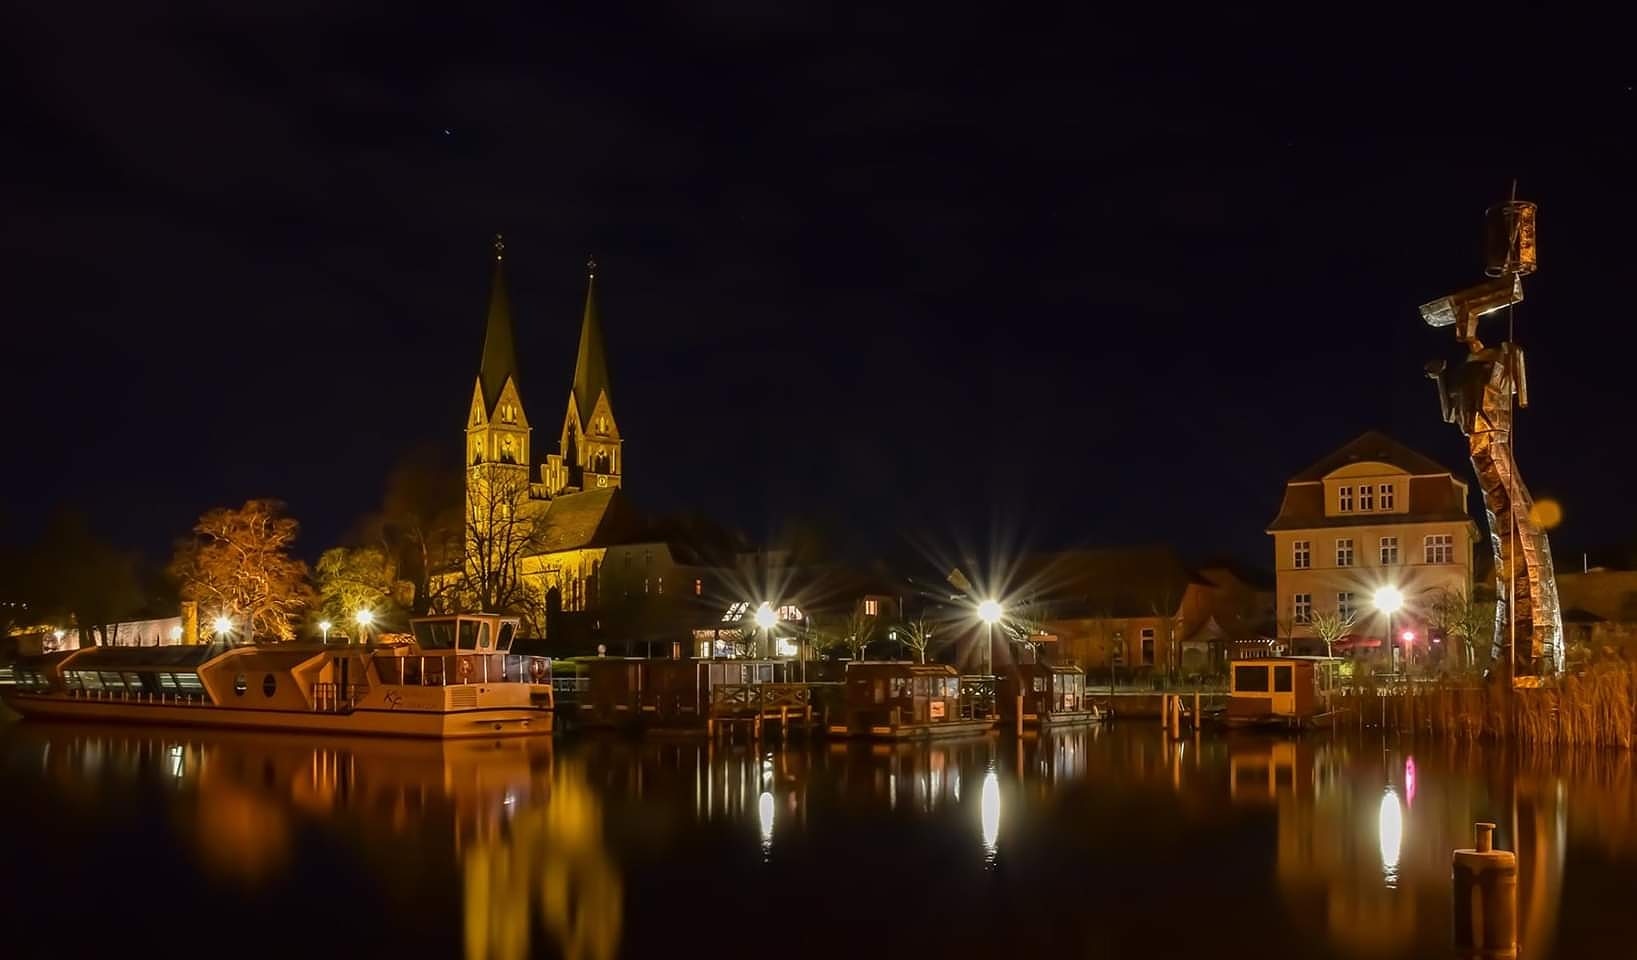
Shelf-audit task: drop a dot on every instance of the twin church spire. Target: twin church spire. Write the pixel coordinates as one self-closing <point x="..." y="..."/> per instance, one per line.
<point x="590" y="453"/>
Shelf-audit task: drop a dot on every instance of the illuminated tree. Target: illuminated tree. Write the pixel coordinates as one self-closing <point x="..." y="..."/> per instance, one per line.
<point x="853" y="631"/>
<point x="1463" y="621"/>
<point x="917" y="636"/>
<point x="1331" y="627"/>
<point x="238" y="565"/>
<point x="352" y="579"/>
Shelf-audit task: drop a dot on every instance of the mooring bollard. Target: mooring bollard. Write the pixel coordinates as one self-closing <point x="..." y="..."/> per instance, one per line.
<point x="1486" y="898"/>
<point x="1176" y="717"/>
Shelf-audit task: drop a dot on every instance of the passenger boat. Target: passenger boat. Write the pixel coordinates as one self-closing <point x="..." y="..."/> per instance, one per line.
<point x="896" y="701"/>
<point x="455" y="676"/>
<point x="1283" y="691"/>
<point x="1041" y="695"/>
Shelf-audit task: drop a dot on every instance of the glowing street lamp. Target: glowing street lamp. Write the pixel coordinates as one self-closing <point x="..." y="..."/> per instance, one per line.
<point x="990" y="611"/>
<point x="363" y="618"/>
<point x="1389" y="600"/>
<point x="224" y="627"/>
<point x="325" y="625"/>
<point x="58" y="636"/>
<point x="766" y="618"/>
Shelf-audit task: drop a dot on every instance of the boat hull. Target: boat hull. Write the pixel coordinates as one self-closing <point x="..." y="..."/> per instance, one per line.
<point x="914" y="731"/>
<point x="440" y="725"/>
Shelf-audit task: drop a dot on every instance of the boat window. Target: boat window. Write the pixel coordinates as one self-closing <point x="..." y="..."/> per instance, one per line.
<point x="435" y="634"/>
<point x="240" y="684"/>
<point x="1250" y="679"/>
<point x="269" y="685"/>
<point x="506" y="631"/>
<point x="468" y="635"/>
<point x="189" y="682"/>
<point x="1281" y="679"/>
<point x="483" y="636"/>
<point x="133" y="682"/>
<point x="1039" y="684"/>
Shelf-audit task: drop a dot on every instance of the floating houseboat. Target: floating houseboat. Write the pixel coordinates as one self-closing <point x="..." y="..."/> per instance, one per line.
<point x="454" y="676"/>
<point x="689" y="694"/>
<point x="895" y="700"/>
<point x="1040" y="695"/>
<point x="1282" y="691"/>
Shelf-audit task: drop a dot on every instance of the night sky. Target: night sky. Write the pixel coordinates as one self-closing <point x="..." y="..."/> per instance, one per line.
<point x="902" y="278"/>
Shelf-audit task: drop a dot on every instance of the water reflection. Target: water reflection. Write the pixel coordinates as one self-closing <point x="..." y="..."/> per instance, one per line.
<point x="513" y="849"/>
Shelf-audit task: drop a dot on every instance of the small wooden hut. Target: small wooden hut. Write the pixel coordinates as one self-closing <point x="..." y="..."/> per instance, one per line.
<point x="897" y="700"/>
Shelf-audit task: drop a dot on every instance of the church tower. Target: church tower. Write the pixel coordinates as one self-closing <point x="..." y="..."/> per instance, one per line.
<point x="497" y="431"/>
<point x="592" y="454"/>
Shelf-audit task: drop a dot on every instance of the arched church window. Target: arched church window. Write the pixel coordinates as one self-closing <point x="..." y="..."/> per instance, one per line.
<point x="477" y="452"/>
<point x="507" y="453"/>
<point x="508" y="413"/>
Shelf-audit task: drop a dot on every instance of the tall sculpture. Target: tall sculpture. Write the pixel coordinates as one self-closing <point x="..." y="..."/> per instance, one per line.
<point x="1477" y="396"/>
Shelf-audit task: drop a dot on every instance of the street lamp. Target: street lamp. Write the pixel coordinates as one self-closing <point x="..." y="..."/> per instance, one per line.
<point x="765" y="618"/>
<point x="990" y="611"/>
<point x="224" y="627"/>
<point x="364" y="618"/>
<point x="1389" y="600"/>
<point x="325" y="625"/>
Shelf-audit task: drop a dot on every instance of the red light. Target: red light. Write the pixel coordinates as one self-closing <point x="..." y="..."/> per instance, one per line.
<point x="1408" y="636"/>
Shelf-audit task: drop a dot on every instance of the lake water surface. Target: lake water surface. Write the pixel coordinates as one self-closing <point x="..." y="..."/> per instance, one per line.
<point x="1091" y="843"/>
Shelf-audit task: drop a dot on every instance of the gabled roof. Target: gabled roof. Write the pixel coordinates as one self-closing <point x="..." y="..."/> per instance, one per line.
<point x="1115" y="582"/>
<point x="593" y="518"/>
<point x="591" y="364"/>
<point x="499" y="352"/>
<point x="1373" y="446"/>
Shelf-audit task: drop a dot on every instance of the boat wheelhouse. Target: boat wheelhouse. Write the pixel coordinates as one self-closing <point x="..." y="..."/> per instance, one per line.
<point x="1045" y="695"/>
<point x="454" y="677"/>
<point x="1292" y="691"/>
<point x="895" y="700"/>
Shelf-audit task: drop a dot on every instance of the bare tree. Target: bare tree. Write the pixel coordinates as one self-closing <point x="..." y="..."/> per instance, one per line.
<point x="1026" y="624"/>
<point x="238" y="565"/>
<point x="917" y="636"/>
<point x="1464" y="621"/>
<point x="501" y="527"/>
<point x="853" y="631"/>
<point x="1331" y="627"/>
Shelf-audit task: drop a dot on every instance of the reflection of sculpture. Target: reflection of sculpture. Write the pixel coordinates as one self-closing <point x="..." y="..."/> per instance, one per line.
<point x="1477" y="397"/>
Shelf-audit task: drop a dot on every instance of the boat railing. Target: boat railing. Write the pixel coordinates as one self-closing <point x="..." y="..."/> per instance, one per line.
<point x="335" y="698"/>
<point x="452" y="670"/>
<point x="165" y="698"/>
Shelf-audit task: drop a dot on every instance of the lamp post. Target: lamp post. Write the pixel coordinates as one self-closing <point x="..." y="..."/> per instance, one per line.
<point x="990" y="611"/>
<point x="324" y="625"/>
<point x="364" y="618"/>
<point x="765" y="618"/>
<point x="1389" y="600"/>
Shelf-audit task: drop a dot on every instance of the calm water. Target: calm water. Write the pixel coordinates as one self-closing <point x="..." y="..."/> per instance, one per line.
<point x="1087" y="844"/>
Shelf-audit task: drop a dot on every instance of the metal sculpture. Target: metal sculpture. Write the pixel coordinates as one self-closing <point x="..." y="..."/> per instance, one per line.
<point x="1477" y="397"/>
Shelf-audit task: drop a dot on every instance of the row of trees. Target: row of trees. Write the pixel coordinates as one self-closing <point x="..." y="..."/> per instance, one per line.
<point x="1462" y="622"/>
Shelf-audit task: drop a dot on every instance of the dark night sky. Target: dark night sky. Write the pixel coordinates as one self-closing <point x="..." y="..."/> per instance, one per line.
<point x="892" y="275"/>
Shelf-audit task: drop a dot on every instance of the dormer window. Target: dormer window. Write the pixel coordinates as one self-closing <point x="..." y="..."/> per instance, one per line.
<point x="1387" y="496"/>
<point x="1366" y="497"/>
<point x="1344" y="499"/>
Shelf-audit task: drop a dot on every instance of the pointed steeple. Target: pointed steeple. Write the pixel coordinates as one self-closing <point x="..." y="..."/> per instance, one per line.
<point x="591" y="366"/>
<point x="499" y="353"/>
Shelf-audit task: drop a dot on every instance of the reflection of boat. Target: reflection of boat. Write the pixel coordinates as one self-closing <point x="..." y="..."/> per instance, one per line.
<point x="1284" y="691"/>
<point x="457" y="677"/>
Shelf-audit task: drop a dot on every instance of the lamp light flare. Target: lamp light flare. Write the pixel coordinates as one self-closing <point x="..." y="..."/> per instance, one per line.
<point x="990" y="611"/>
<point x="223" y="625"/>
<point x="765" y="618"/>
<point x="1389" y="599"/>
<point x="364" y="617"/>
<point x="1408" y="636"/>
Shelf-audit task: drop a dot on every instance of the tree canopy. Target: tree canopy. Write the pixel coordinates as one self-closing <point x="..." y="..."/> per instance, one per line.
<point x="238" y="565"/>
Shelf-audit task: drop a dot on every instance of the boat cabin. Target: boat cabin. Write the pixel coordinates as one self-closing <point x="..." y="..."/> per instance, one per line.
<point x="1293" y="690"/>
<point x="631" y="691"/>
<point x="894" y="699"/>
<point x="1049" y="694"/>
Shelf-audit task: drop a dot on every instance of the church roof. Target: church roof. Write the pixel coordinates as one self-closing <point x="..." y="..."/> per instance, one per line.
<point x="499" y="351"/>
<point x="592" y="518"/>
<point x="591" y="365"/>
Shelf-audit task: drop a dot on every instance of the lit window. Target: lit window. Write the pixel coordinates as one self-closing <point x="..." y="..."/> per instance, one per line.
<point x="1301" y="554"/>
<point x="1344" y="606"/>
<point x="1389" y="551"/>
<point x="699" y="588"/>
<point x="1344" y="497"/>
<point x="1366" y="497"/>
<point x="790" y="612"/>
<point x="1344" y="552"/>
<point x="1440" y="548"/>
<point x="872" y="608"/>
<point x="1386" y="496"/>
<point x="1301" y="610"/>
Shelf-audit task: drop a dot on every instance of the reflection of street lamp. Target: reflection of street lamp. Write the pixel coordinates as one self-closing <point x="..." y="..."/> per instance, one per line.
<point x="990" y="611"/>
<point x="1390" y="600"/>
<point x="765" y="618"/>
<point x="325" y="625"/>
<point x="364" y="619"/>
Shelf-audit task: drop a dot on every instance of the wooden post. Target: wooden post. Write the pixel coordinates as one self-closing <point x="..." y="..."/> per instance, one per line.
<point x="1176" y="717"/>
<point x="1020" y="715"/>
<point x="1486" y="898"/>
<point x="710" y="728"/>
<point x="756" y="727"/>
<point x="784" y="723"/>
<point x="1165" y="710"/>
<point x="1196" y="710"/>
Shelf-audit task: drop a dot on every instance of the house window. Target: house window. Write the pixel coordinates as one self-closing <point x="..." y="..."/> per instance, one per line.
<point x="1440" y="548"/>
<point x="1344" y="552"/>
<point x="1344" y="606"/>
<point x="1386" y="496"/>
<point x="872" y="608"/>
<point x="660" y="588"/>
<point x="1366" y="497"/>
<point x="790" y="613"/>
<point x="1301" y="609"/>
<point x="1344" y="498"/>
<point x="1147" y="635"/>
<point x="1389" y="551"/>
<point x="1301" y="554"/>
<point x="699" y="588"/>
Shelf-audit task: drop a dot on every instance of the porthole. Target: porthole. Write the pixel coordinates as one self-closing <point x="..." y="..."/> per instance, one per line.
<point x="240" y="685"/>
<point x="268" y="685"/>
